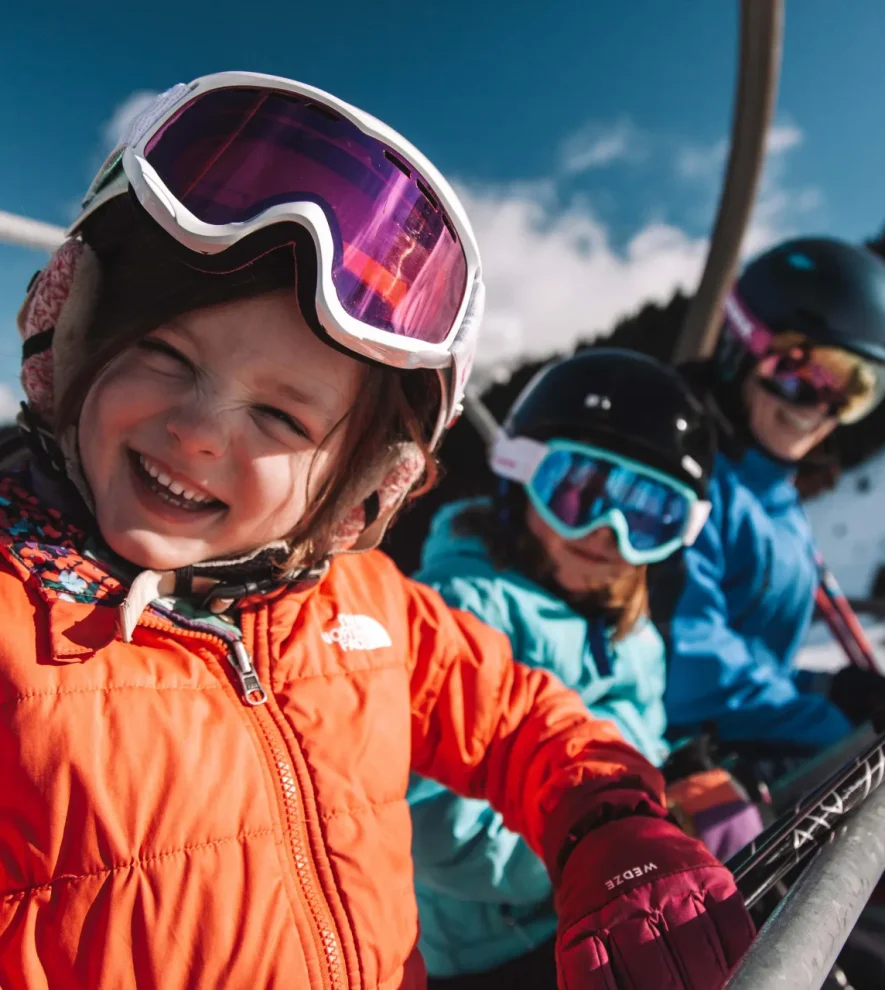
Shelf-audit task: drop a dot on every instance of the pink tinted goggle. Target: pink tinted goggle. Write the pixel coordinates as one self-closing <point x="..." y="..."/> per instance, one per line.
<point x="234" y="153"/>
<point x="806" y="375"/>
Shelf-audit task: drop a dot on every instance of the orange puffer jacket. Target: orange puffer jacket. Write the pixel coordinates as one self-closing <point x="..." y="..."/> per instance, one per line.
<point x="158" y="831"/>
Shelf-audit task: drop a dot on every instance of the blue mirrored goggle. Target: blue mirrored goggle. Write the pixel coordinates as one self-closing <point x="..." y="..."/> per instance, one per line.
<point x="576" y="489"/>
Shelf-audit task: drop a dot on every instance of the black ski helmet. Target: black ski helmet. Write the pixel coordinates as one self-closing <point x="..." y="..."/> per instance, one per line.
<point x="625" y="402"/>
<point x="829" y="291"/>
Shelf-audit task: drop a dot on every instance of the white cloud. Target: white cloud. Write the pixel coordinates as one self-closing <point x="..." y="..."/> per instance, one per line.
<point x="114" y="130"/>
<point x="554" y="277"/>
<point x="10" y="401"/>
<point x="597" y="145"/>
<point x="700" y="161"/>
<point x="706" y="162"/>
<point x="782" y="137"/>
<point x="780" y="206"/>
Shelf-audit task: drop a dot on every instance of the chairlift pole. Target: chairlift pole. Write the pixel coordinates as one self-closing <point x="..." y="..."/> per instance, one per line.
<point x="759" y="67"/>
<point x="761" y="34"/>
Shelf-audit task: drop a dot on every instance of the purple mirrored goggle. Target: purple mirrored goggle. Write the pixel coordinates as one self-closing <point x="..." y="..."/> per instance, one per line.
<point x="232" y="153"/>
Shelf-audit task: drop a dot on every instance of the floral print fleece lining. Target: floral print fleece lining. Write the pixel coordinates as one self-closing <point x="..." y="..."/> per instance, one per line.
<point x="51" y="549"/>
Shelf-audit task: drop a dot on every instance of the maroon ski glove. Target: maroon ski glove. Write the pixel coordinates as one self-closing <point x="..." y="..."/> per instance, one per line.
<point x="642" y="905"/>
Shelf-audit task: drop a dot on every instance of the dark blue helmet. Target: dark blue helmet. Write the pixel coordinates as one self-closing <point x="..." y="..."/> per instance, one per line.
<point x="829" y="291"/>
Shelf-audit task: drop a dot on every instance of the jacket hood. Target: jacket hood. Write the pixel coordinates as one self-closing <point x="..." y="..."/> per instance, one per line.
<point x="446" y="548"/>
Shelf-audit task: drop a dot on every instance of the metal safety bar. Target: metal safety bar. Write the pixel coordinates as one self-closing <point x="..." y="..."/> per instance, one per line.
<point x="797" y="947"/>
<point x="30" y="233"/>
<point x="480" y="417"/>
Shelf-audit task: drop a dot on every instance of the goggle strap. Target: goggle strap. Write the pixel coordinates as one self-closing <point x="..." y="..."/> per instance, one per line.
<point x="698" y="514"/>
<point x="516" y="458"/>
<point x="754" y="335"/>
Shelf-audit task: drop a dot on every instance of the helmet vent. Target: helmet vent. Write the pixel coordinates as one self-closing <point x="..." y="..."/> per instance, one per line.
<point x="398" y="162"/>
<point x="799" y="260"/>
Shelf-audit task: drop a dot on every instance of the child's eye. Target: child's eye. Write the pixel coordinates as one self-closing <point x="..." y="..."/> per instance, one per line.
<point x="160" y="348"/>
<point x="279" y="416"/>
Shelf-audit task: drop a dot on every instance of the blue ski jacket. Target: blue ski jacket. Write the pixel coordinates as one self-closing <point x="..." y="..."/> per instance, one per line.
<point x="743" y="610"/>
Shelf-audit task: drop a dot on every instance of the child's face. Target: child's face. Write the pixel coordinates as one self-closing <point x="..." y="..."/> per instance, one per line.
<point x="580" y="566"/>
<point x="202" y="440"/>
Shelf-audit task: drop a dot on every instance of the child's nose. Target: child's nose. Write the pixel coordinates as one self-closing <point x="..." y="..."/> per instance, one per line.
<point x="199" y="430"/>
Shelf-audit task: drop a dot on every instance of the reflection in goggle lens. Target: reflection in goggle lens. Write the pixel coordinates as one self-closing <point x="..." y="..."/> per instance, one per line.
<point x="580" y="487"/>
<point x="800" y="373"/>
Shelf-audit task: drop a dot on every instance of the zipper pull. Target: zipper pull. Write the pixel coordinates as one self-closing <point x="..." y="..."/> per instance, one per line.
<point x="253" y="692"/>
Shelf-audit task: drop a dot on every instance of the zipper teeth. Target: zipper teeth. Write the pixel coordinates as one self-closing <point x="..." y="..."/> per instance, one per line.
<point x="303" y="863"/>
<point x="301" y="855"/>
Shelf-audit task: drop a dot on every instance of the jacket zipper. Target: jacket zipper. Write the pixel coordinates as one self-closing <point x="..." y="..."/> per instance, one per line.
<point x="238" y="657"/>
<point x="253" y="693"/>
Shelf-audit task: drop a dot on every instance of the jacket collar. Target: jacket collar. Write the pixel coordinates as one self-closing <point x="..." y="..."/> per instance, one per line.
<point x="43" y="537"/>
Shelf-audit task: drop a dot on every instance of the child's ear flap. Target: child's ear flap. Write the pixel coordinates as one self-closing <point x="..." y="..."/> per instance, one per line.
<point x="53" y="321"/>
<point x="363" y="527"/>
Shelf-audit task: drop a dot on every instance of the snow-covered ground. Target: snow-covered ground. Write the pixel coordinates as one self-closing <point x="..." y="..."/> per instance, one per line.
<point x="849" y="525"/>
<point x="822" y="652"/>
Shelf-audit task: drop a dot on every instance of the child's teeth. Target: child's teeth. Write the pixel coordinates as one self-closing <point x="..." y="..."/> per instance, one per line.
<point x="175" y="487"/>
<point x="802" y="422"/>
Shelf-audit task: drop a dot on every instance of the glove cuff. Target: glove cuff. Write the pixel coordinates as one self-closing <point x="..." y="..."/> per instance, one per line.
<point x="565" y="832"/>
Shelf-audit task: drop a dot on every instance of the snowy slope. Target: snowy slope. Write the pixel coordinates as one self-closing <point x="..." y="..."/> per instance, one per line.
<point x="849" y="525"/>
<point x="821" y="652"/>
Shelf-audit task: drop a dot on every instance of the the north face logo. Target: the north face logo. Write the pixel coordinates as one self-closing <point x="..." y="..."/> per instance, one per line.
<point x="358" y="632"/>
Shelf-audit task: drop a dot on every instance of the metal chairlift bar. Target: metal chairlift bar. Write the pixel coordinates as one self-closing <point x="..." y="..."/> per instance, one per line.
<point x="797" y="947"/>
<point x="29" y="233"/>
<point x="758" y="72"/>
<point x="480" y="417"/>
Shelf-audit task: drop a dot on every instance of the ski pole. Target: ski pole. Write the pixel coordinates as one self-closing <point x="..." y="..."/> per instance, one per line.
<point x="787" y="842"/>
<point x="842" y="619"/>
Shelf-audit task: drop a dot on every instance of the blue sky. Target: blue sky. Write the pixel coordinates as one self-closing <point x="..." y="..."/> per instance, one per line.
<point x="587" y="136"/>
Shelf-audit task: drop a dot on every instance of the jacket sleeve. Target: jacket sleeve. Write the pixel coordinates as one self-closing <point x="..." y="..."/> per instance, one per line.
<point x="461" y="847"/>
<point x="488" y="727"/>
<point x="713" y="676"/>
